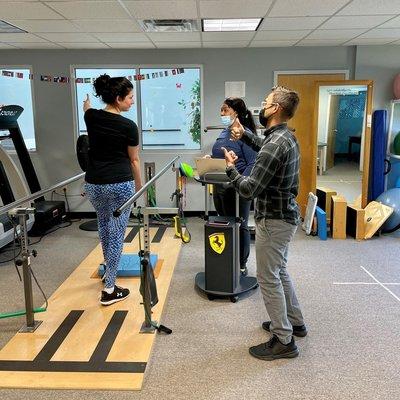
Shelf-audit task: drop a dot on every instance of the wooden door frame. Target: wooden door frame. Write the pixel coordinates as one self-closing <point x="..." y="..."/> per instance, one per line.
<point x="311" y="72"/>
<point x="307" y="183"/>
<point x="367" y="132"/>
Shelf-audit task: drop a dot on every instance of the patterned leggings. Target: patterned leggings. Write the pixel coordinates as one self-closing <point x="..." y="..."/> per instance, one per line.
<point x="106" y="199"/>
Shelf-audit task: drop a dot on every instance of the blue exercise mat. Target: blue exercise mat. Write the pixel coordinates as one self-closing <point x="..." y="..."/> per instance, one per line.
<point x="378" y="154"/>
<point x="321" y="223"/>
<point x="129" y="265"/>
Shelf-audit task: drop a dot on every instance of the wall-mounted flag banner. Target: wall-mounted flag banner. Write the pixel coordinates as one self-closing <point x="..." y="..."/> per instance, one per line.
<point x="61" y="79"/>
<point x="66" y="79"/>
<point x="46" y="78"/>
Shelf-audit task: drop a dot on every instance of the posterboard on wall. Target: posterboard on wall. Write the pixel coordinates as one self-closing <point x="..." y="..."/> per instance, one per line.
<point x="235" y="89"/>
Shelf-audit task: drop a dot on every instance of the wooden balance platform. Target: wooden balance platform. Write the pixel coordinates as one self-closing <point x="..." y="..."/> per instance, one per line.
<point x="84" y="345"/>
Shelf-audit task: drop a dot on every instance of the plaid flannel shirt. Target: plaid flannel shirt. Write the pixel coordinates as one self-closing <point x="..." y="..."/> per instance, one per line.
<point x="274" y="179"/>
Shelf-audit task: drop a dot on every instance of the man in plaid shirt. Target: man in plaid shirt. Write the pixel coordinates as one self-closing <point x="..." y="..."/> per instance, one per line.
<point x="274" y="181"/>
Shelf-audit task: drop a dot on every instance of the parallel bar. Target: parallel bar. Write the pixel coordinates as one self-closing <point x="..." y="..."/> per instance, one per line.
<point x="107" y="340"/>
<point x="130" y="201"/>
<point x="34" y="196"/>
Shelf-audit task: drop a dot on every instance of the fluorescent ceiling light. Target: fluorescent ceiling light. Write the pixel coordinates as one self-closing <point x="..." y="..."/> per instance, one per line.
<point x="8" y="28"/>
<point x="229" y="25"/>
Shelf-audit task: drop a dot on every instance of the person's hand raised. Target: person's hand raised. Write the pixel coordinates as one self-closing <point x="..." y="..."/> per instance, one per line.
<point x="230" y="157"/>
<point x="237" y="130"/>
<point x="86" y="103"/>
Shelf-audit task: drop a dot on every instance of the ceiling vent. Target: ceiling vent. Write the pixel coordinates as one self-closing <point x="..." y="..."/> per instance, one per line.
<point x="169" y="25"/>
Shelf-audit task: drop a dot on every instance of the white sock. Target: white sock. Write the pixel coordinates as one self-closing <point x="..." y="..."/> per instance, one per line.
<point x="109" y="290"/>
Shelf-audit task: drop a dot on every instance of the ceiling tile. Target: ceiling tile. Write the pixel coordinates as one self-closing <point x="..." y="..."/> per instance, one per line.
<point x="320" y="42"/>
<point x="291" y="23"/>
<point x="45" y="25"/>
<point x="46" y="45"/>
<point x="382" y="34"/>
<point x="178" y="45"/>
<point x="371" y="7"/>
<point x="26" y="10"/>
<point x="131" y="45"/>
<point x="175" y="37"/>
<point x="89" y="9"/>
<point x="393" y="23"/>
<point x="156" y="9"/>
<point x="108" y="25"/>
<point x="225" y="44"/>
<point x="121" y="37"/>
<point x="335" y="33"/>
<point x="226" y="36"/>
<point x="234" y="8"/>
<point x="281" y="35"/>
<point x="68" y="37"/>
<point x="349" y="22"/>
<point x="305" y="8"/>
<point x="365" y="41"/>
<point x="81" y="45"/>
<point x="20" y="38"/>
<point x="6" y="46"/>
<point x="272" y="43"/>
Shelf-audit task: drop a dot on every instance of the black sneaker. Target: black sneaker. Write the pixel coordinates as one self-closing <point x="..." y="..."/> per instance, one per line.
<point x="118" y="294"/>
<point x="243" y="271"/>
<point x="299" y="331"/>
<point x="274" y="349"/>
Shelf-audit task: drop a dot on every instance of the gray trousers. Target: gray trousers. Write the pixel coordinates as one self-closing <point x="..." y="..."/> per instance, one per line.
<point x="272" y="244"/>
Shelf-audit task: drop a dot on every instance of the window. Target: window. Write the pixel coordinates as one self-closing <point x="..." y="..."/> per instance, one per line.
<point x="170" y="108"/>
<point x="16" y="89"/>
<point x="84" y="85"/>
<point x="169" y="103"/>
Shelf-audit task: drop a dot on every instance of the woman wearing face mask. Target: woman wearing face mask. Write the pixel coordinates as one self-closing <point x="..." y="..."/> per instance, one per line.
<point x="233" y="110"/>
<point x="113" y="172"/>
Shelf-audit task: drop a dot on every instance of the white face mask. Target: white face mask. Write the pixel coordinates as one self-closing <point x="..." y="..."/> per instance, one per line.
<point x="226" y="120"/>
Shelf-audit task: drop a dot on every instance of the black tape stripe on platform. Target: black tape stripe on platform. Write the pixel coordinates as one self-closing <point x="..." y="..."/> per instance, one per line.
<point x="100" y="354"/>
<point x="159" y="235"/>
<point x="131" y="235"/>
<point x="73" y="366"/>
<point x="58" y="336"/>
<point x="96" y="363"/>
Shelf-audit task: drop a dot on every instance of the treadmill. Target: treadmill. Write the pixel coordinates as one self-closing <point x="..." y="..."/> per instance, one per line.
<point x="48" y="213"/>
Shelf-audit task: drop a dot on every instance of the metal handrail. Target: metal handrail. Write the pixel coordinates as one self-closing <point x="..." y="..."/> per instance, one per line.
<point x="130" y="201"/>
<point x="35" y="195"/>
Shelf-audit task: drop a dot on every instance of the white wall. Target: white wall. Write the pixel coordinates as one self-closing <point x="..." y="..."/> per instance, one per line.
<point x="55" y="158"/>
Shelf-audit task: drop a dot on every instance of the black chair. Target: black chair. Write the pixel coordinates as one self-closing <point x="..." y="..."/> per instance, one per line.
<point x="352" y="139"/>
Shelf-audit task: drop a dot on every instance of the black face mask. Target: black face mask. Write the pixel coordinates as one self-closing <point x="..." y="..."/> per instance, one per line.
<point x="261" y="117"/>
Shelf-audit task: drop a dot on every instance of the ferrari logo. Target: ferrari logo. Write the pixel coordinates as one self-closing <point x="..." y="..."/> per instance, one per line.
<point x="217" y="242"/>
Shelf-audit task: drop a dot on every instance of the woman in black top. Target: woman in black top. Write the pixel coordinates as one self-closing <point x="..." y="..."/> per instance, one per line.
<point x="113" y="172"/>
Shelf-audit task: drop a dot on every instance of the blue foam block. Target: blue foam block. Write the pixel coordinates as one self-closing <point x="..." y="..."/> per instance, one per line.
<point x="129" y="265"/>
<point x="378" y="154"/>
<point x="321" y="223"/>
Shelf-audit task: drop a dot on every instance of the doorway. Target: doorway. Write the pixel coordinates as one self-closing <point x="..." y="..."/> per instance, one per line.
<point x="304" y="84"/>
<point x="342" y="124"/>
